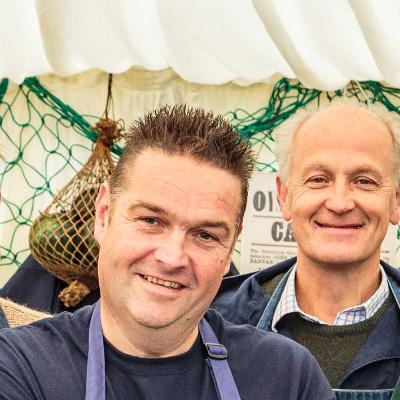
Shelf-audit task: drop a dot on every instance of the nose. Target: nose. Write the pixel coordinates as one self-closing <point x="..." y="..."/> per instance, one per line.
<point x="171" y="250"/>
<point x="340" y="199"/>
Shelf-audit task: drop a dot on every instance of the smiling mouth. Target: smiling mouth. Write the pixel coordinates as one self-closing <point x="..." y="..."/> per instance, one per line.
<point x="162" y="282"/>
<point x="347" y="226"/>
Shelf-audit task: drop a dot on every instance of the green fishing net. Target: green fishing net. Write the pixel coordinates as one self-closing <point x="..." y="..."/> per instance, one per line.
<point x="33" y="118"/>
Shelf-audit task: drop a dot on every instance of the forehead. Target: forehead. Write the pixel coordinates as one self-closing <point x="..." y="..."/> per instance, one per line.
<point x="182" y="186"/>
<point x="343" y="130"/>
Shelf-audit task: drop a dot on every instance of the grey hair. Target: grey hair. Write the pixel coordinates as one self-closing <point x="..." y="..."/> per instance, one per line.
<point x="286" y="133"/>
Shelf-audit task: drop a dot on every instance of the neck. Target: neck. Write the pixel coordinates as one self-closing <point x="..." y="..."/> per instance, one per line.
<point x="324" y="290"/>
<point x="137" y="340"/>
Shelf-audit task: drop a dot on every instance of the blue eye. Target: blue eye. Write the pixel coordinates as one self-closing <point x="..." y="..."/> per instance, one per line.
<point x="365" y="181"/>
<point x="150" y="220"/>
<point x="318" y="179"/>
<point x="206" y="236"/>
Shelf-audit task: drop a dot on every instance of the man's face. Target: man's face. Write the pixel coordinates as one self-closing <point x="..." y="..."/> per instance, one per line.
<point x="168" y="241"/>
<point x="341" y="194"/>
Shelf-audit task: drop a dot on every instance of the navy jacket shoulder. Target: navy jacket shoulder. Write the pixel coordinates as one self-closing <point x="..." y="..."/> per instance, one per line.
<point x="241" y="299"/>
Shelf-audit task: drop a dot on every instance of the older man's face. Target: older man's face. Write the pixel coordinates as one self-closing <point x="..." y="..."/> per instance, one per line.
<point x="341" y="194"/>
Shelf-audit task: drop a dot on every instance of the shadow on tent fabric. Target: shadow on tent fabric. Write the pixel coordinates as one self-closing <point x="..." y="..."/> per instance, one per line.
<point x="35" y="287"/>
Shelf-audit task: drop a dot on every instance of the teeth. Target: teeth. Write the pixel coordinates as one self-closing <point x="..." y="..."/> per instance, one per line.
<point x="161" y="282"/>
<point x="345" y="226"/>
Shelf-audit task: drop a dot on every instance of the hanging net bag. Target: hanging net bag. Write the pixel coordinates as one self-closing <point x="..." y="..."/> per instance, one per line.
<point x="62" y="237"/>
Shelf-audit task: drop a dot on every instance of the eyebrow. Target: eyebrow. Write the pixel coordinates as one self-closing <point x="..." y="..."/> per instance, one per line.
<point x="149" y="206"/>
<point x="159" y="210"/>
<point x="359" y="170"/>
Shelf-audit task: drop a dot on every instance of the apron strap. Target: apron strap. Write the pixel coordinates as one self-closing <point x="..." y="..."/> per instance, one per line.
<point x="3" y="319"/>
<point x="95" y="369"/>
<point x="221" y="373"/>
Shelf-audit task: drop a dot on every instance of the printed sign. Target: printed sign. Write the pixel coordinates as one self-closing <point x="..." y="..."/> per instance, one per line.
<point x="267" y="238"/>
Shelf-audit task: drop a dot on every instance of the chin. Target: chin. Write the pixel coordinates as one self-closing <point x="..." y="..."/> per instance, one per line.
<point x="339" y="260"/>
<point x="154" y="322"/>
<point x="333" y="253"/>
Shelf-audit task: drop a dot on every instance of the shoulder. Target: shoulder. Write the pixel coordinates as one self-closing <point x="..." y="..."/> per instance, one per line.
<point x="32" y="355"/>
<point x="273" y="355"/>
<point x="241" y="299"/>
<point x="47" y="332"/>
<point x="393" y="272"/>
<point x="18" y="315"/>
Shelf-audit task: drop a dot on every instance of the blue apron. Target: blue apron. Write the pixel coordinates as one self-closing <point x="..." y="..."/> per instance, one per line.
<point x="3" y="319"/>
<point x="95" y="377"/>
<point x="265" y="323"/>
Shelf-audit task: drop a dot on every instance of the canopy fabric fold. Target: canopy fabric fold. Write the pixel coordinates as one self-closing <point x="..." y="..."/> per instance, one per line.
<point x="323" y="43"/>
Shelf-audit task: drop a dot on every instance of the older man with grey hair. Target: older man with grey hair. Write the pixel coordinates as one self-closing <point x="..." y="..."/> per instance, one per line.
<point x="339" y="186"/>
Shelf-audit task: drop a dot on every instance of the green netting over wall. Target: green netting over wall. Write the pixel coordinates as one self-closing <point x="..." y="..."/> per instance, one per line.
<point x="45" y="142"/>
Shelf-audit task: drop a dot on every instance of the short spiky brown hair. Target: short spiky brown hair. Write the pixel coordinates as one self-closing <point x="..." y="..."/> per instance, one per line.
<point x="193" y="132"/>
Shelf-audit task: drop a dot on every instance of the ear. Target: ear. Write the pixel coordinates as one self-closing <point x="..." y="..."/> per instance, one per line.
<point x="228" y="265"/>
<point x="395" y="215"/>
<point x="237" y="234"/>
<point x="283" y="198"/>
<point x="102" y="211"/>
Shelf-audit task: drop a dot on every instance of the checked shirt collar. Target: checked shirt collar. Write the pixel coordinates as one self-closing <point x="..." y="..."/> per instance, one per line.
<point x="288" y="304"/>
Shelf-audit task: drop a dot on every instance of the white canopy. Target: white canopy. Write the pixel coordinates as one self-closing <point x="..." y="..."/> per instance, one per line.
<point x="323" y="43"/>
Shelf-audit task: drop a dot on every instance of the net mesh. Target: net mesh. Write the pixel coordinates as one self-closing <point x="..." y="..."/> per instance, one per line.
<point x="62" y="237"/>
<point x="45" y="143"/>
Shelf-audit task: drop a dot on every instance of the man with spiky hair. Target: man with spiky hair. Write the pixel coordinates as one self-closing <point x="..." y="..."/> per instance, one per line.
<point x="166" y="224"/>
<point x="338" y="184"/>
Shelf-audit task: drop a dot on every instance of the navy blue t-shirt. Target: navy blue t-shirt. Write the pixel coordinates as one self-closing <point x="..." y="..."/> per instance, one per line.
<point x="47" y="361"/>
